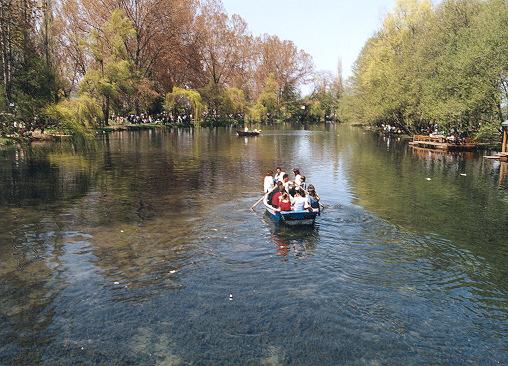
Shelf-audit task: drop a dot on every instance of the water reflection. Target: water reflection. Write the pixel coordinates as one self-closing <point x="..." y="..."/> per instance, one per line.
<point x="126" y="253"/>
<point x="299" y="241"/>
<point x="503" y="172"/>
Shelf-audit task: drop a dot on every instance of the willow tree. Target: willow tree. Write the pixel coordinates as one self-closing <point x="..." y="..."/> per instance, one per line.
<point x="234" y="103"/>
<point x="443" y="65"/>
<point x="385" y="79"/>
<point x="77" y="116"/>
<point x="184" y="101"/>
<point x="111" y="74"/>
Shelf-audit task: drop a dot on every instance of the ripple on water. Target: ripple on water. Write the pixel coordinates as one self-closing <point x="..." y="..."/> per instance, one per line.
<point x="139" y="265"/>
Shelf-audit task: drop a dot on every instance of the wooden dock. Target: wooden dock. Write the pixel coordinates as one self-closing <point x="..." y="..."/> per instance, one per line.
<point x="502" y="156"/>
<point x="440" y="143"/>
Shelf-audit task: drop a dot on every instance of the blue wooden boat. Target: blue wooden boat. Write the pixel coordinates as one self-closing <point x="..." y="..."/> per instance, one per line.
<point x="292" y="218"/>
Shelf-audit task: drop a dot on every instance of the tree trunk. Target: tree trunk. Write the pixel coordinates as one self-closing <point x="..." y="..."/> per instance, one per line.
<point x="5" y="44"/>
<point x="500" y="111"/>
<point x="105" y="110"/>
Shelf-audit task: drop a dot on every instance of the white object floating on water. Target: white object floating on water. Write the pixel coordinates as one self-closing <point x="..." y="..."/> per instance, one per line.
<point x="121" y="231"/>
<point x="116" y="283"/>
<point x="172" y="271"/>
<point x="463" y="174"/>
<point x="230" y="297"/>
<point x="82" y="348"/>
<point x="215" y="229"/>
<point x="429" y="178"/>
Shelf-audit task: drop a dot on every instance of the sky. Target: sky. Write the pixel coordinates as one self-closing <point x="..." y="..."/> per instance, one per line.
<point x="326" y="29"/>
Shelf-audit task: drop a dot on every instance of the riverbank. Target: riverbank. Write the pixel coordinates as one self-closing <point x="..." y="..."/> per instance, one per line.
<point x="479" y="144"/>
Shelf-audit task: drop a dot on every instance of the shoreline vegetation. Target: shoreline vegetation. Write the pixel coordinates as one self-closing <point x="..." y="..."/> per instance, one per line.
<point x="434" y="68"/>
<point x="71" y="68"/>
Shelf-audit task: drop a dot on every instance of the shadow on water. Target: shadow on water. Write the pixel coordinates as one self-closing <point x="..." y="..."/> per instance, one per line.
<point x="296" y="240"/>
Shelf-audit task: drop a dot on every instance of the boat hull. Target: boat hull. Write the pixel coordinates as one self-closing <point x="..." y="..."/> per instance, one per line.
<point x="291" y="218"/>
<point x="247" y="133"/>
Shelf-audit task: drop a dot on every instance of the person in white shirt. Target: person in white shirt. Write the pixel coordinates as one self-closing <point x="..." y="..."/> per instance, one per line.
<point x="288" y="185"/>
<point x="279" y="175"/>
<point x="269" y="183"/>
<point x="298" y="177"/>
<point x="300" y="202"/>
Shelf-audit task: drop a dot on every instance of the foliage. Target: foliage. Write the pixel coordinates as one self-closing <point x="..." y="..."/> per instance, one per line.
<point x="428" y="65"/>
<point x="128" y="55"/>
<point x="322" y="105"/>
<point x="234" y="103"/>
<point x="488" y="132"/>
<point x="267" y="107"/>
<point x="76" y="116"/>
<point x="184" y="102"/>
<point x="28" y="81"/>
<point x="7" y="123"/>
<point x="111" y="75"/>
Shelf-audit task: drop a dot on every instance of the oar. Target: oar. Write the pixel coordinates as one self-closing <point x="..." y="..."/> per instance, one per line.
<point x="257" y="203"/>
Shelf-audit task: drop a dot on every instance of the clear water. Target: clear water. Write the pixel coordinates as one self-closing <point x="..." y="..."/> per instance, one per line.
<point x="127" y="253"/>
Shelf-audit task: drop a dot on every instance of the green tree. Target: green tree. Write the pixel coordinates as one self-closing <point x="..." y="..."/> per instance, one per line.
<point x="266" y="108"/>
<point x="77" y="116"/>
<point x="234" y="103"/>
<point x="444" y="65"/>
<point x="184" y="102"/>
<point x="111" y="76"/>
<point x="28" y="80"/>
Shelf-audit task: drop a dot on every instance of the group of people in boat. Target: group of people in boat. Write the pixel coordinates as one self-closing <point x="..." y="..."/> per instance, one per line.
<point x="286" y="195"/>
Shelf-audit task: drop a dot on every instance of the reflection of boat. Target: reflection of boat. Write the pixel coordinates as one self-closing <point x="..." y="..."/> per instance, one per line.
<point x="293" y="218"/>
<point x="247" y="133"/>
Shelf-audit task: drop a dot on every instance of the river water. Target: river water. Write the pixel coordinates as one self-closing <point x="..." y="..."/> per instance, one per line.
<point x="127" y="252"/>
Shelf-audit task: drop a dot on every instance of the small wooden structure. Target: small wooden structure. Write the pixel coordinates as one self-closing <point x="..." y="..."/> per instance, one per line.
<point x="503" y="155"/>
<point x="440" y="142"/>
<point x="504" y="148"/>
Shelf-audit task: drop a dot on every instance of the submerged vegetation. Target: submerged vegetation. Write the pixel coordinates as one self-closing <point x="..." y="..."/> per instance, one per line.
<point x="444" y="65"/>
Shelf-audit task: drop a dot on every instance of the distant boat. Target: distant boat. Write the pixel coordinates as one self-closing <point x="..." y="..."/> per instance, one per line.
<point x="247" y="133"/>
<point x="292" y="218"/>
